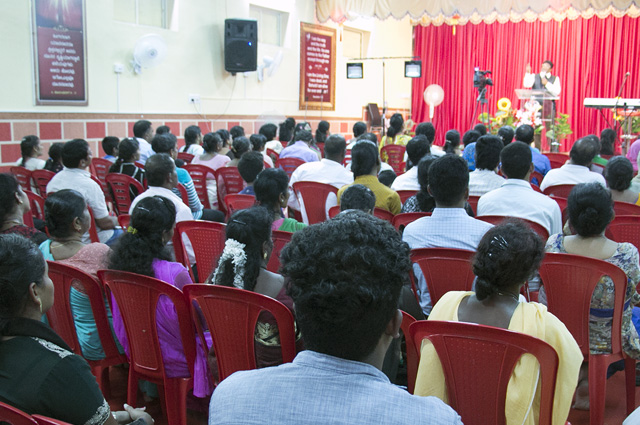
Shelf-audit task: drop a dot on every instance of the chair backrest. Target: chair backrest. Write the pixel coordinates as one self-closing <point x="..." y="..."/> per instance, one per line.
<point x="36" y="203"/>
<point x="60" y="316"/>
<point x="400" y="221"/>
<point x="43" y="420"/>
<point x="557" y="159"/>
<point x="186" y="157"/>
<point x="444" y="269"/>
<point x="15" y="416"/>
<point x="383" y="214"/>
<point x="569" y="281"/>
<point x="23" y="176"/>
<point x="394" y="156"/>
<point x="561" y="190"/>
<point x="536" y="175"/>
<point x="184" y="196"/>
<point x="235" y="202"/>
<point x="624" y="208"/>
<point x="625" y="228"/>
<point x="93" y="231"/>
<point x="562" y="203"/>
<point x="124" y="220"/>
<point x="478" y="388"/>
<point x="313" y="196"/>
<point x="536" y="227"/>
<point x="280" y="239"/>
<point x="207" y="239"/>
<point x="100" y="168"/>
<point x="473" y="202"/>
<point x="229" y="181"/>
<point x="41" y="179"/>
<point x="120" y="187"/>
<point x="231" y="315"/>
<point x="412" y="353"/>
<point x="136" y="297"/>
<point x="199" y="173"/>
<point x="104" y="187"/>
<point x="289" y="165"/>
<point x="406" y="194"/>
<point x="273" y="155"/>
<point x="334" y="211"/>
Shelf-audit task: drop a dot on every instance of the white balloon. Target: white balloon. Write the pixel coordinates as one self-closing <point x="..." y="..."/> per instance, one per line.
<point x="433" y="95"/>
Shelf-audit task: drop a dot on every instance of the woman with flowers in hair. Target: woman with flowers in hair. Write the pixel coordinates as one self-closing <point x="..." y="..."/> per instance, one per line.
<point x="243" y="265"/>
<point x="143" y="250"/>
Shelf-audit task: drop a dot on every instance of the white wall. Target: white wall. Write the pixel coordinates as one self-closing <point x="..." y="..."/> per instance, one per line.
<point x="194" y="64"/>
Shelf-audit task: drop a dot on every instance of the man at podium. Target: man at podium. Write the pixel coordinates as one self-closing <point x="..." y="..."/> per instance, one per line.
<point x="543" y="80"/>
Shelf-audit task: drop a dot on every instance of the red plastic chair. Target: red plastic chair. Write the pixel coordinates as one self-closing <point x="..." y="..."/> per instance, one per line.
<point x="235" y="202"/>
<point x="42" y="178"/>
<point x="536" y="175"/>
<point x="93" y="230"/>
<point x="36" y="203"/>
<point x="289" y="165"/>
<point x="383" y="214"/>
<point x="473" y="202"/>
<point x="312" y="197"/>
<point x="43" y="420"/>
<point x="560" y="190"/>
<point x="557" y="159"/>
<point x="412" y="352"/>
<point x="625" y="208"/>
<point x="497" y="219"/>
<point x="478" y="393"/>
<point x="394" y="156"/>
<point x="207" y="239"/>
<point x="137" y="297"/>
<point x="280" y="239"/>
<point x="104" y="187"/>
<point x="229" y="181"/>
<point x="562" y="203"/>
<point x="444" y="269"/>
<point x="120" y="187"/>
<point x="625" y="228"/>
<point x="15" y="416"/>
<point x="23" y="176"/>
<point x="199" y="173"/>
<point x="186" y="157"/>
<point x="569" y="281"/>
<point x="273" y="155"/>
<point x="400" y="221"/>
<point x="334" y="211"/>
<point x="183" y="194"/>
<point x="124" y="220"/>
<point x="61" y="320"/>
<point x="100" y="168"/>
<point x="231" y="315"/>
<point x="406" y="194"/>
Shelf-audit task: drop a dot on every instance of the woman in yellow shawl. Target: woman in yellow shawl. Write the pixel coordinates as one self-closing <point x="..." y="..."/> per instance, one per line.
<point x="507" y="256"/>
<point x="395" y="135"/>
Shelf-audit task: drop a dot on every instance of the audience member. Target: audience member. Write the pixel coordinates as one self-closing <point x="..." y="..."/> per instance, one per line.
<point x="365" y="166"/>
<point x="272" y="192"/>
<point x="449" y="226"/>
<point x="258" y="144"/>
<point x="590" y="212"/>
<point x="236" y="131"/>
<point x="541" y="163"/>
<point x="506" y="134"/>
<point x="143" y="250"/>
<point x="301" y="148"/>
<point x="322" y="132"/>
<point x="250" y="165"/>
<point x="359" y="128"/>
<point x="598" y="163"/>
<point x="607" y="142"/>
<point x="387" y="177"/>
<point x="76" y="157"/>
<point x="429" y="131"/>
<point x="358" y="197"/>
<point x="163" y="129"/>
<point x="417" y="148"/>
<point x="110" y="148"/>
<point x="421" y="201"/>
<point x="395" y="134"/>
<point x="484" y="178"/>
<point x="269" y="131"/>
<point x="576" y="170"/>
<point x="30" y="150"/>
<point x="143" y="132"/>
<point x="14" y="204"/>
<point x="239" y="147"/>
<point x="54" y="163"/>
<point x="348" y="321"/>
<point x="516" y="198"/>
<point x="619" y="174"/>
<point x="507" y="256"/>
<point x="469" y="137"/>
<point x="452" y="142"/>
<point x="285" y="130"/>
<point x="633" y="153"/>
<point x="52" y="380"/>
<point x="225" y="136"/>
<point x="212" y="158"/>
<point x="481" y="129"/>
<point x="469" y="154"/>
<point x="128" y="154"/>
<point x="193" y="141"/>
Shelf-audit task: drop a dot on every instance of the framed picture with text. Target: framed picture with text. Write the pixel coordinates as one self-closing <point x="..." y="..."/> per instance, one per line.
<point x="317" y="67"/>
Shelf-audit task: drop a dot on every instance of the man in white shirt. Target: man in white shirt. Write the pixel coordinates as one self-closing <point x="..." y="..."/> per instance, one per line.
<point x="484" y="178"/>
<point x="143" y="132"/>
<point x="328" y="170"/>
<point x="516" y="198"/>
<point x="577" y="169"/>
<point x="161" y="178"/>
<point x="76" y="158"/>
<point x="543" y="80"/>
<point x="417" y="148"/>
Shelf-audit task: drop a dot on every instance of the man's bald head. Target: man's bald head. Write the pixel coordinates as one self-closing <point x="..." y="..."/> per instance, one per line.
<point x="583" y="151"/>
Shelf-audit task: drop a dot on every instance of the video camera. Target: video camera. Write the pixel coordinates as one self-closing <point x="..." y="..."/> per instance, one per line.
<point x="480" y="79"/>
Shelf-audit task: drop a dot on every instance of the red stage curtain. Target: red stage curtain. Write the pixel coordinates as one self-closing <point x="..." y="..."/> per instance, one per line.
<point x="591" y="57"/>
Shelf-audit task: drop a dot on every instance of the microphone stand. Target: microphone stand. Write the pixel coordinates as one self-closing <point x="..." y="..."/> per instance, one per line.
<point x="615" y="108"/>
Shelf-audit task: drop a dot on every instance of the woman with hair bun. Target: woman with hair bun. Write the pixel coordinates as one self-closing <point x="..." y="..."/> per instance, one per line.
<point x="508" y="254"/>
<point x="590" y="211"/>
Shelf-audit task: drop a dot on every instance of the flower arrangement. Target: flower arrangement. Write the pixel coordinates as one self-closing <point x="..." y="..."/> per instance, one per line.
<point x="531" y="114"/>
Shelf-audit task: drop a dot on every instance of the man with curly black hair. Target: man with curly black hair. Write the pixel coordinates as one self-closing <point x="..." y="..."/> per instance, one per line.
<point x="345" y="279"/>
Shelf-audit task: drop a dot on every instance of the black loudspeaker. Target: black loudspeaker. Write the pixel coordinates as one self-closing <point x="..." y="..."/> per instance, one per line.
<point x="240" y="45"/>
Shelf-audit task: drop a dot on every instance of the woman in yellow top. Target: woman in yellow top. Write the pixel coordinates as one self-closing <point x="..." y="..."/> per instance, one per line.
<point x="395" y="135"/>
<point x="507" y="256"/>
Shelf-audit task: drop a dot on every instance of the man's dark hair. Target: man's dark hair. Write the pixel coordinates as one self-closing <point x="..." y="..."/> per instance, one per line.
<point x="345" y="314"/>
<point x="387" y="177"/>
<point x="140" y="128"/>
<point x="618" y="173"/>
<point x="269" y="131"/>
<point x="550" y="63"/>
<point x="257" y="142"/>
<point x="426" y="129"/>
<point x="358" y="197"/>
<point x="157" y="168"/>
<point x="359" y="128"/>
<point x="590" y="209"/>
<point x="191" y="134"/>
<point x="488" y="152"/>
<point x="516" y="160"/>
<point x="335" y="147"/>
<point x="370" y="137"/>
<point x="164" y="143"/>
<point x="303" y="135"/>
<point x="469" y="137"/>
<point x="480" y="128"/>
<point x="607" y="140"/>
<point x="583" y="151"/>
<point x="448" y="180"/>
<point x="364" y="158"/>
<point x="417" y="148"/>
<point x="236" y="131"/>
<point x="524" y="134"/>
<point x="250" y="165"/>
<point x="163" y="129"/>
<point x="506" y="133"/>
<point x="109" y="143"/>
<point x="73" y="152"/>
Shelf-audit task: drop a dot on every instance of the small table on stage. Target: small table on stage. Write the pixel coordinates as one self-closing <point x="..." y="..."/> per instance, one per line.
<point x="547" y="114"/>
